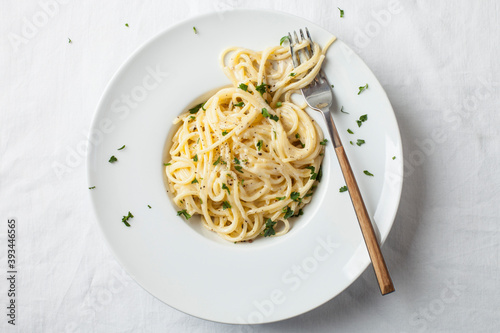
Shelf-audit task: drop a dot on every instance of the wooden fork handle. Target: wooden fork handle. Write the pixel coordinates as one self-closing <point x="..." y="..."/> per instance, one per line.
<point x="383" y="277"/>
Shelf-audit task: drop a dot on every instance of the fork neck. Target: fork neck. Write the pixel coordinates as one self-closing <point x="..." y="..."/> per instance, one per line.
<point x="332" y="130"/>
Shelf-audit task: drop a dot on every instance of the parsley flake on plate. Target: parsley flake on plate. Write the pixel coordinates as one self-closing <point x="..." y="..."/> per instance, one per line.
<point x="283" y="39"/>
<point x="126" y="218"/>
<point x="363" y="88"/>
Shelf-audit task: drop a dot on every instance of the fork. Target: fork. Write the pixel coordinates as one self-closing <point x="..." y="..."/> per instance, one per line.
<point x="319" y="96"/>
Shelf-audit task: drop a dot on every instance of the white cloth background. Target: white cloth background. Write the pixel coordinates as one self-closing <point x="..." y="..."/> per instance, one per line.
<point x="439" y="63"/>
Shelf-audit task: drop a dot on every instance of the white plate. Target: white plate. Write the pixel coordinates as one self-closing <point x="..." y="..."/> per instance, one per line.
<point x="191" y="269"/>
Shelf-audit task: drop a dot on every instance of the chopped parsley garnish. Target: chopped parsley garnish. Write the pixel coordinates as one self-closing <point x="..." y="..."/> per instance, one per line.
<point x="224" y="187"/>
<point x="238" y="168"/>
<point x="126" y="24"/>
<point x="70" y="41"/>
<point x="280" y="198"/>
<point x="218" y="161"/>
<point x="149" y="206"/>
<point x="126" y="217"/>
<point x="236" y="161"/>
<point x="240" y="104"/>
<point x="292" y="74"/>
<point x="184" y="213"/>
<point x="112" y="159"/>
<point x="259" y="145"/>
<point x="333" y="86"/>
<point x="192" y="117"/>
<point x="265" y="113"/>
<point x="279" y="104"/>
<point x="342" y="110"/>
<point x="91" y="188"/>
<point x="302" y="144"/>
<point x="323" y="143"/>
<point x="269" y="230"/>
<point x="194" y="181"/>
<point x="288" y="212"/>
<point x="274" y="134"/>
<point x="363" y="88"/>
<point x="320" y="175"/>
<point x="224" y="132"/>
<point x="196" y="108"/>
<point x="351" y="143"/>
<point x="167" y="164"/>
<point x="360" y="142"/>
<point x="368" y="173"/>
<point x="195" y="158"/>
<point x="343" y="189"/>
<point x="121" y="147"/>
<point x="362" y="119"/>
<point x="312" y="168"/>
<point x="314" y="175"/>
<point x="394" y="157"/>
<point x="341" y="12"/>
<point x="301" y="212"/>
<point x="283" y="39"/>
<point x="261" y="88"/>
<point x="225" y="205"/>
<point x="243" y="87"/>
<point x="297" y="136"/>
<point x="349" y="131"/>
<point x="295" y="196"/>
<point x="195" y="31"/>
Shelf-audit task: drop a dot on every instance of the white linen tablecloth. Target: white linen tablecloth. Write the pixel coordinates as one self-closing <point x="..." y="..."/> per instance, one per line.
<point x="437" y="60"/>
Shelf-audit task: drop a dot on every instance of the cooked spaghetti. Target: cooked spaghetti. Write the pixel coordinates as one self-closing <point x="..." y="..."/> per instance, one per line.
<point x="248" y="158"/>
